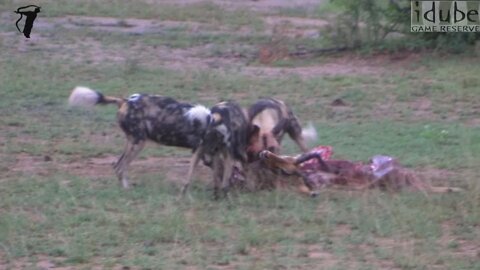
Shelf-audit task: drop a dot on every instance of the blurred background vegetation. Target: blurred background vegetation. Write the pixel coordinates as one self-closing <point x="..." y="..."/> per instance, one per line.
<point x="385" y="25"/>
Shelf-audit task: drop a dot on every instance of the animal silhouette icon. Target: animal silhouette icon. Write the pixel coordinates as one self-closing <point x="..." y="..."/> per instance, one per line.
<point x="30" y="18"/>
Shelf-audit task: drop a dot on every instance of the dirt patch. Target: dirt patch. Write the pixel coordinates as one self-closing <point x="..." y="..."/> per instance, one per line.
<point x="44" y="262"/>
<point x="29" y="165"/>
<point x="437" y="177"/>
<point x="173" y="168"/>
<point x="294" y="27"/>
<point x="296" y="21"/>
<point x="337" y="66"/>
<point x="326" y="259"/>
<point x="348" y="64"/>
<point x="254" y="5"/>
<point x="289" y="26"/>
<point x="342" y="230"/>
<point x="475" y="122"/>
<point x="170" y="168"/>
<point x="328" y="69"/>
<point x="110" y="24"/>
<point x="422" y="108"/>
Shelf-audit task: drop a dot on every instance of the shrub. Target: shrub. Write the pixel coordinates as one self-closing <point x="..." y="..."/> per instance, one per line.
<point x="373" y="24"/>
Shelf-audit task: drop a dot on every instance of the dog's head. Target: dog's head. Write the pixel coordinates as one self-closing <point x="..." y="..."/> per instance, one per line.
<point x="227" y="130"/>
<point x="258" y="142"/>
<point x="217" y="135"/>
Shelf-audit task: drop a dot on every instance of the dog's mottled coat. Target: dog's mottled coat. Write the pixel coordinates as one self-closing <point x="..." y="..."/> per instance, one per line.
<point x="270" y="119"/>
<point x="223" y="145"/>
<point x="144" y="117"/>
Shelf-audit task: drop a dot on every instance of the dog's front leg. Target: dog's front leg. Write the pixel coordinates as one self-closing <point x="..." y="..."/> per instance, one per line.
<point x="193" y="164"/>
<point x="294" y="130"/>
<point x="227" y="172"/>
<point x="218" y="169"/>
<point x="301" y="143"/>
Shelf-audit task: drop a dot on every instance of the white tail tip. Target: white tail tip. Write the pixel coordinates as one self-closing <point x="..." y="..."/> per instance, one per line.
<point x="199" y="113"/>
<point x="309" y="133"/>
<point x="83" y="97"/>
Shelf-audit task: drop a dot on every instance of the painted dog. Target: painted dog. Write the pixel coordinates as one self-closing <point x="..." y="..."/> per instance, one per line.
<point x="223" y="145"/>
<point x="270" y="119"/>
<point x="144" y="117"/>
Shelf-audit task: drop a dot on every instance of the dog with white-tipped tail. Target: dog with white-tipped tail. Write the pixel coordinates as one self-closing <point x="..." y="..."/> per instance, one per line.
<point x="144" y="117"/>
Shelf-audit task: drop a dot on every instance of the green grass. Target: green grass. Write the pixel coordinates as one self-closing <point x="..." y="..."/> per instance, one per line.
<point x="82" y="221"/>
<point x="78" y="217"/>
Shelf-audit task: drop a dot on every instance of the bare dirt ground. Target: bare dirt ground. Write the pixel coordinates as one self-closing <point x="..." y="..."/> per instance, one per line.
<point x="172" y="168"/>
<point x="45" y="262"/>
<point x="256" y="5"/>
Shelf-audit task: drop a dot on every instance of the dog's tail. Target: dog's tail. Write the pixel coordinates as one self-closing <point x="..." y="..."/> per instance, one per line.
<point x="200" y="114"/>
<point x="309" y="133"/>
<point x="86" y="97"/>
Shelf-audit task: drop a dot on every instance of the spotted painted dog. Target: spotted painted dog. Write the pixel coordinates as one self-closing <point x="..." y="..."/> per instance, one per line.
<point x="144" y="117"/>
<point x="270" y="119"/>
<point x="223" y="145"/>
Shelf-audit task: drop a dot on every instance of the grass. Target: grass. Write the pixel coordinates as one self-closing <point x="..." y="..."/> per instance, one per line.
<point x="78" y="222"/>
<point x="204" y="12"/>
<point x="73" y="214"/>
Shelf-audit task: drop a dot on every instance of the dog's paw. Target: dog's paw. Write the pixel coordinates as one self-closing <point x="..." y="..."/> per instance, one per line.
<point x="264" y="154"/>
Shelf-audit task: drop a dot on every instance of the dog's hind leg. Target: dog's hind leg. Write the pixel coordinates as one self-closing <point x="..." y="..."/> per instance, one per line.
<point x="193" y="164"/>
<point x="119" y="165"/>
<point x="131" y="151"/>
<point x="294" y="130"/>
